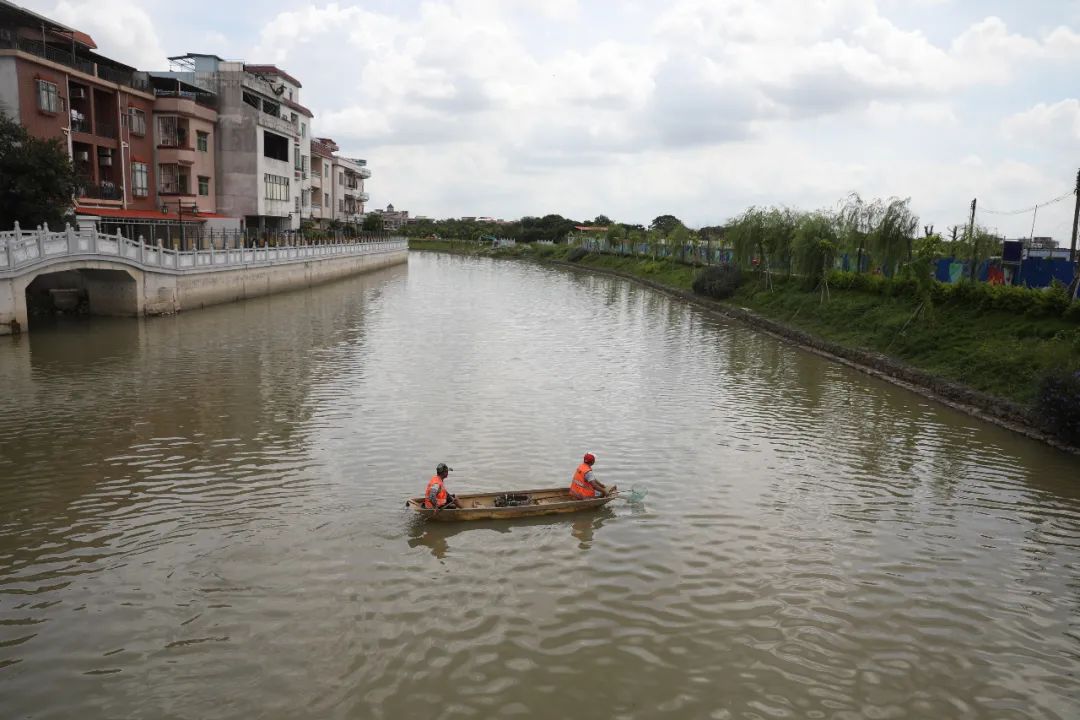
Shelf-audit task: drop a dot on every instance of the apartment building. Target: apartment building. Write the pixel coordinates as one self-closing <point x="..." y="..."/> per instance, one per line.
<point x="322" y="181"/>
<point x="263" y="143"/>
<point x="57" y="86"/>
<point x="349" y="196"/>
<point x="208" y="141"/>
<point x="185" y="135"/>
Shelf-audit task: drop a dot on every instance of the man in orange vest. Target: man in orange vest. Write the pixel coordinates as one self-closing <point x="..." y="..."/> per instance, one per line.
<point x="585" y="485"/>
<point x="436" y="495"/>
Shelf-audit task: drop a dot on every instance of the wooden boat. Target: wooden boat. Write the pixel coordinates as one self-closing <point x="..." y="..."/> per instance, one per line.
<point x="511" y="504"/>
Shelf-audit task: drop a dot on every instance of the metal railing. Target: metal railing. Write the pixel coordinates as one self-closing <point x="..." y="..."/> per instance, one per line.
<point x="20" y="250"/>
<point x="100" y="191"/>
<point x="65" y="56"/>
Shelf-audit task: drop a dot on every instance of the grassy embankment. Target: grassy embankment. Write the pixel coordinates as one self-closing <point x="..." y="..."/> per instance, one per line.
<point x="1005" y="355"/>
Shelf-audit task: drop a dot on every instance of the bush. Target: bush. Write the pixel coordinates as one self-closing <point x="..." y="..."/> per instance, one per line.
<point x="576" y="254"/>
<point x="1058" y="405"/>
<point x="718" y="281"/>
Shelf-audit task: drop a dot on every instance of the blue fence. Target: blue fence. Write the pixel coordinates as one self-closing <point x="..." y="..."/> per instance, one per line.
<point x="1031" y="272"/>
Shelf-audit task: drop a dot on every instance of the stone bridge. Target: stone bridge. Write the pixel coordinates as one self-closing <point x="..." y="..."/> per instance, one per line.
<point x="121" y="277"/>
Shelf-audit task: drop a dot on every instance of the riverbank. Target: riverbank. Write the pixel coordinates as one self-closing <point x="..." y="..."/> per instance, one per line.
<point x="986" y="363"/>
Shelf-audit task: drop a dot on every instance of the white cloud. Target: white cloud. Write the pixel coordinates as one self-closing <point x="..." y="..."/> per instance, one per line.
<point x="122" y="30"/>
<point x="505" y="107"/>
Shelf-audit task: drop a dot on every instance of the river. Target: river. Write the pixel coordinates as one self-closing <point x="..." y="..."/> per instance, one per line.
<point x="201" y="516"/>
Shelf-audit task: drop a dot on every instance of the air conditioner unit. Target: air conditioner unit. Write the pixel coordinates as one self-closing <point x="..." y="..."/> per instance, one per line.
<point x="78" y="93"/>
<point x="83" y="156"/>
<point x="104" y="157"/>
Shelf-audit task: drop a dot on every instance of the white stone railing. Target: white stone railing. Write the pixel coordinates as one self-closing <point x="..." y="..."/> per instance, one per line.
<point x="20" y="250"/>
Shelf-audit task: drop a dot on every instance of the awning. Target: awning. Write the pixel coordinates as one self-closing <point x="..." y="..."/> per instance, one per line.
<point x="145" y="215"/>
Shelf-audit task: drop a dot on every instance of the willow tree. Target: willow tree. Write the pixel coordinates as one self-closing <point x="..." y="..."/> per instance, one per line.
<point x="890" y="240"/>
<point x="814" y="249"/>
<point x="856" y="220"/>
<point x="779" y="233"/>
<point x="746" y="233"/>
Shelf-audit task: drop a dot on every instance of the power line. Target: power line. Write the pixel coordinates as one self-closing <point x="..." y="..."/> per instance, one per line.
<point x="1027" y="210"/>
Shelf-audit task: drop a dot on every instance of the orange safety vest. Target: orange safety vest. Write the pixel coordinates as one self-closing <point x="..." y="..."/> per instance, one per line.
<point x="579" y="486"/>
<point x="441" y="498"/>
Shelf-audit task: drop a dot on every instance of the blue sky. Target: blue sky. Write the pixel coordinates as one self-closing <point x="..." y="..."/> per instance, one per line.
<point x="633" y="109"/>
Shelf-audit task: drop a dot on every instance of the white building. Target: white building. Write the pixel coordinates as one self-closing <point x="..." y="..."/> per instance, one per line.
<point x="349" y="195"/>
<point x="263" y="141"/>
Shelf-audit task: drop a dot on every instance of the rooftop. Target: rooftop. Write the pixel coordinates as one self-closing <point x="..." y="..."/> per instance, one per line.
<point x="272" y="70"/>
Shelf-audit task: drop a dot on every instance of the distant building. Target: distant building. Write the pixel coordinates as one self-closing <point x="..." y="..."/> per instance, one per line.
<point x="392" y="219"/>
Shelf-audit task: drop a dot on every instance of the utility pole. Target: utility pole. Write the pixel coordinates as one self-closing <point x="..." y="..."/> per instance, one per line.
<point x="1076" y="216"/>
<point x="971" y="238"/>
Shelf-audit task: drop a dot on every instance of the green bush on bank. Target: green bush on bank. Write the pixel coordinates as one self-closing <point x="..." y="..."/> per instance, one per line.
<point x="1050" y="302"/>
<point x="718" y="281"/>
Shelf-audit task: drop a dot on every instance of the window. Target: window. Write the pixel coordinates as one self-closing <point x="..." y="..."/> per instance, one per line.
<point x="48" y="97"/>
<point x="277" y="187"/>
<point x="303" y="165"/>
<point x="172" y="180"/>
<point x="251" y="99"/>
<point x="296" y="155"/>
<point x="138" y="121"/>
<point x="203" y="140"/>
<point x="204" y="185"/>
<point x="326" y="170"/>
<point x="305" y="198"/>
<point x="168" y="131"/>
<point x="340" y="205"/>
<point x="140" y="179"/>
<point x="296" y="202"/>
<point x="341" y="178"/>
<point x="303" y="129"/>
<point x="326" y="199"/>
<point x="275" y="147"/>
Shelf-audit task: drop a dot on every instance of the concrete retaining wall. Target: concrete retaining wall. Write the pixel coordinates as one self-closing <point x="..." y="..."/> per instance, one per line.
<point x="116" y="288"/>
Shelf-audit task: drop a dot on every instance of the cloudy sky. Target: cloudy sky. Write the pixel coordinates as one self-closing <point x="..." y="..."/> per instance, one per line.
<point x="632" y="109"/>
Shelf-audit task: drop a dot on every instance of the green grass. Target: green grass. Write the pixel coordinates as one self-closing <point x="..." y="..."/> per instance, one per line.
<point x="1003" y="354"/>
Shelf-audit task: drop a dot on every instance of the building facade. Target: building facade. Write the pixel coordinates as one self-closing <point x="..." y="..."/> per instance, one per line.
<point x="349" y="175"/>
<point x="207" y="141"/>
<point x="53" y="82"/>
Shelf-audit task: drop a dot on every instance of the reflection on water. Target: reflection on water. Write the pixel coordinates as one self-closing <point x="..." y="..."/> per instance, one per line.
<point x="201" y="516"/>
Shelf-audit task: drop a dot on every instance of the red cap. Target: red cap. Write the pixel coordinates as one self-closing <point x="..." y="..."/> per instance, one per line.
<point x="589" y="458"/>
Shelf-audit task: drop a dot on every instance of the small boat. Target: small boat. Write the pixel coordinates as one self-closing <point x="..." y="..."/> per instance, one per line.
<point x="512" y="504"/>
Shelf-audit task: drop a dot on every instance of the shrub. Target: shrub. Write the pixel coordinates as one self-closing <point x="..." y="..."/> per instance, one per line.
<point x="1058" y="405"/>
<point x="717" y="281"/>
<point x="576" y="254"/>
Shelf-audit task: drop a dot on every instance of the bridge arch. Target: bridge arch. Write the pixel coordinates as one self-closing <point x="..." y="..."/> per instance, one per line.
<point x="114" y="289"/>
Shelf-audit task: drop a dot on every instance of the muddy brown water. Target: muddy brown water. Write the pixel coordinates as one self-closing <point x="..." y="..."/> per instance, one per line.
<point x="201" y="516"/>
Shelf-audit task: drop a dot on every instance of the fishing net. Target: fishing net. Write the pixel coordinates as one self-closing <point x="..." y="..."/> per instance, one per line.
<point x="511" y="500"/>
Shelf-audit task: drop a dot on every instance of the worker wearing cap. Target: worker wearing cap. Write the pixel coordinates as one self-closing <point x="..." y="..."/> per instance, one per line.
<point x="585" y="485"/>
<point x="436" y="496"/>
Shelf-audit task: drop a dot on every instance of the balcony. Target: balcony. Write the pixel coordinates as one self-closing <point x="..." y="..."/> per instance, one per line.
<point x="105" y="129"/>
<point x="362" y="196"/>
<point x="207" y="100"/>
<point x="364" y="173"/>
<point x="171" y="155"/>
<point x="80" y="125"/>
<point x="135" y="80"/>
<point x="104" y="190"/>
